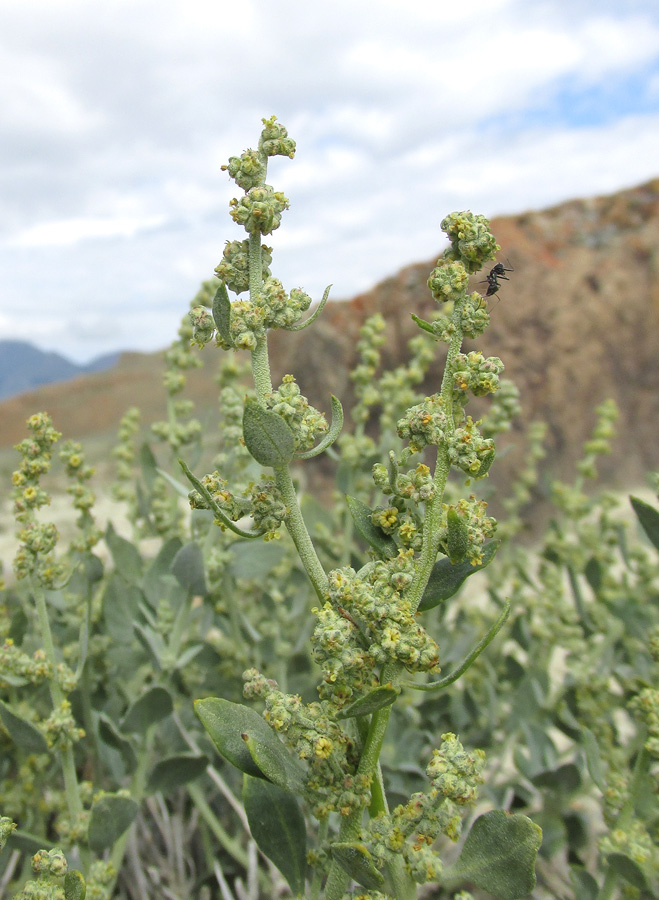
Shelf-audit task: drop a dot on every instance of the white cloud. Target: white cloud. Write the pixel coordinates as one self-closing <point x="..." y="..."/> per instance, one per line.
<point x="73" y="231"/>
<point x="117" y="117"/>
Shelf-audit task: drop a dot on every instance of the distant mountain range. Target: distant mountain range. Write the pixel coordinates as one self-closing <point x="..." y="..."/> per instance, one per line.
<point x="24" y="367"/>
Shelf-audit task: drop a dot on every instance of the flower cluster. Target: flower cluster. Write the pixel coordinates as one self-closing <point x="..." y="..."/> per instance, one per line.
<point x="259" y="211"/>
<point x="312" y="732"/>
<point x="260" y="500"/>
<point x="306" y="422"/>
<point x="37" y="540"/>
<point x="412" y="828"/>
<point x="448" y="281"/>
<point x="424" y="424"/>
<point x="73" y="457"/>
<point x="470" y="451"/>
<point x="374" y="601"/>
<point x="234" y="268"/>
<point x="472" y="242"/>
<point x="473" y="372"/>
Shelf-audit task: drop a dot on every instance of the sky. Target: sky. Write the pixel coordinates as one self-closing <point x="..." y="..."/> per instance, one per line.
<point x="117" y="115"/>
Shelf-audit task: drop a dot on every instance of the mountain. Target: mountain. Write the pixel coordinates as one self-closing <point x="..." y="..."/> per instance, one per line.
<point x="577" y="323"/>
<point x="24" y="367"/>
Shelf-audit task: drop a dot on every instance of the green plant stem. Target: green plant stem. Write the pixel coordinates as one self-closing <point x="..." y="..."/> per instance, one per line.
<point x="67" y="760"/>
<point x="433" y="512"/>
<point x="338" y="879"/>
<point x="316" y="881"/>
<point x="137" y="787"/>
<point x="297" y="529"/>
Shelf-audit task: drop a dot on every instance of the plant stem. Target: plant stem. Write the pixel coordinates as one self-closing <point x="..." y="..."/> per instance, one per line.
<point x="297" y="529"/>
<point x="67" y="760"/>
<point x="432" y="518"/>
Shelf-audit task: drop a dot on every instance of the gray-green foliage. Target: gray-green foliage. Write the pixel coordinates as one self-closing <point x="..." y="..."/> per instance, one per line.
<point x="348" y="767"/>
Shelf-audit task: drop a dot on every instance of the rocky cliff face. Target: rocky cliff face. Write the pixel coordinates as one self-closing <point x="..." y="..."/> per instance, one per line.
<point x="577" y="323"/>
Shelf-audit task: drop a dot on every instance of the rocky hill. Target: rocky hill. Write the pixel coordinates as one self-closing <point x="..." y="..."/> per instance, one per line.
<point x="577" y="323"/>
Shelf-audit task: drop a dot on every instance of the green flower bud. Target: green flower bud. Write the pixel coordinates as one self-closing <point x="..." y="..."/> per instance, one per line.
<point x="248" y="171"/>
<point x="448" y="281"/>
<point x="259" y="211"/>
<point x="274" y="140"/>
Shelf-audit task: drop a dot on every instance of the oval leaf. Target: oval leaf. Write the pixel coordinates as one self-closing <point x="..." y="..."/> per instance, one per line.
<point x="227" y="723"/>
<point x="276" y="762"/>
<point x="268" y="437"/>
<point x="277" y="826"/>
<point x="628" y="869"/>
<point x="593" y="758"/>
<point x="457" y="537"/>
<point x="154" y="705"/>
<point x="370" y="703"/>
<point x="74" y="885"/>
<point x="110" y="816"/>
<point x="23" y="733"/>
<point x="175" y="771"/>
<point x="222" y="314"/>
<point x="498" y="856"/>
<point x="110" y="736"/>
<point x="361" y="514"/>
<point x="446" y="580"/>
<point x="648" y="516"/>
<point x="355" y="859"/>
<point x="127" y="559"/>
<point x="188" y="569"/>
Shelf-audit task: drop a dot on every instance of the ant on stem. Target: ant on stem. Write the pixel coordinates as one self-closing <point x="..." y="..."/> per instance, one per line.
<point x="496" y="272"/>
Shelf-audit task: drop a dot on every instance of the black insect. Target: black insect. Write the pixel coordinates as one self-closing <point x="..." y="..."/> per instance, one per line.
<point x="497" y="272"/>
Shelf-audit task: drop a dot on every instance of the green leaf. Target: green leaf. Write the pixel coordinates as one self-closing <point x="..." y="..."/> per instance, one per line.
<point x="152" y="706"/>
<point x="149" y="465"/>
<point x="314" y="315"/>
<point x="152" y="643"/>
<point x="28" y="843"/>
<point x="486" y="463"/>
<point x="127" y="559"/>
<point x="628" y="869"/>
<point x="277" y="825"/>
<point x="469" y="660"/>
<point x="424" y="326"/>
<point x="231" y="726"/>
<point x="648" y="516"/>
<point x="585" y="886"/>
<point x="188" y="569"/>
<point x="23" y="733"/>
<point x="276" y="762"/>
<point x="268" y="437"/>
<point x="255" y="561"/>
<point x="498" y="856"/>
<point x="222" y="314"/>
<point x="109" y="734"/>
<point x="355" y="859"/>
<point x="212" y="505"/>
<point x="110" y="816"/>
<point x="565" y="779"/>
<point x="175" y="771"/>
<point x="446" y="580"/>
<point x="361" y="514"/>
<point x="593" y="758"/>
<point x="457" y="537"/>
<point x="74" y="885"/>
<point x="333" y="433"/>
<point x="370" y="703"/>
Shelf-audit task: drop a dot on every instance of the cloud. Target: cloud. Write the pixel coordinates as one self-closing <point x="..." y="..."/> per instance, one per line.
<point x="117" y="117"/>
